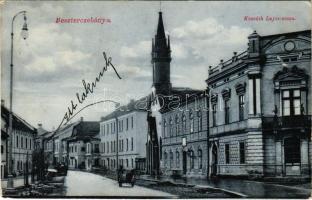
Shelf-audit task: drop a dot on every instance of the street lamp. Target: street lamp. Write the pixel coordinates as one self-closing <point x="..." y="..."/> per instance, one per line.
<point x="24" y="32"/>
<point x="10" y="185"/>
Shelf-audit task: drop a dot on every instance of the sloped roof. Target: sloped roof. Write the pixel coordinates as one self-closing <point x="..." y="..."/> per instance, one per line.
<point x="17" y="123"/>
<point x="181" y="96"/>
<point x="41" y="131"/>
<point x="138" y="105"/>
<point x="64" y="128"/>
<point x="85" y="130"/>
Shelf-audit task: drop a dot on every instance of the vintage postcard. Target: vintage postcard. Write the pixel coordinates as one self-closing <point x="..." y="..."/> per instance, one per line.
<point x="156" y="99"/>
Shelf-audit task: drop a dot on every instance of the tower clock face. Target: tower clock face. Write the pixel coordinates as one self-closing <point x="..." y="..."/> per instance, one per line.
<point x="289" y="46"/>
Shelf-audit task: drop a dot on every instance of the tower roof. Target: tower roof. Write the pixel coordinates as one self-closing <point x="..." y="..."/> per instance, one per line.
<point x="160" y="27"/>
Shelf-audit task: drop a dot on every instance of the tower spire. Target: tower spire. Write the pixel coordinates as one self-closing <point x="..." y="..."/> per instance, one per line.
<point x="161" y="58"/>
<point x="160" y="27"/>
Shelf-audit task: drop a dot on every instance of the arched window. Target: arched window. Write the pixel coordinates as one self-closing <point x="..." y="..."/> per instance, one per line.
<point x="191" y="122"/>
<point x="200" y="120"/>
<point x="165" y="128"/>
<point x="177" y="121"/>
<point x="192" y="159"/>
<point x="177" y="158"/>
<point x="200" y="159"/>
<point x="165" y="159"/>
<point x="171" y="159"/>
<point x="170" y="127"/>
<point x="184" y="122"/>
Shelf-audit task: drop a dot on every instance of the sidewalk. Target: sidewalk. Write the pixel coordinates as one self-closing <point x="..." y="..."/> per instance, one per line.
<point x="244" y="188"/>
<point x="18" y="181"/>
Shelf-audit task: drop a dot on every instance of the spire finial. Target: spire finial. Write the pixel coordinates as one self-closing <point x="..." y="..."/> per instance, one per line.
<point x="160" y="6"/>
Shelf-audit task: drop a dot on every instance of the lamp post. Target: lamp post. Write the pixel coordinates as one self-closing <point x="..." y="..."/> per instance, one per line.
<point x="24" y="34"/>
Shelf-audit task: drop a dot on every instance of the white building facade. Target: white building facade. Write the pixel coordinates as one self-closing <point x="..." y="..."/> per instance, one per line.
<point x="131" y="128"/>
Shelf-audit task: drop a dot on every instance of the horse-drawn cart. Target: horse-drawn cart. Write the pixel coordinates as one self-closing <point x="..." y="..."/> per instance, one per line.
<point x="126" y="177"/>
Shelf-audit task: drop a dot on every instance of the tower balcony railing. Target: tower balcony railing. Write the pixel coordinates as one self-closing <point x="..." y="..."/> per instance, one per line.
<point x="286" y="122"/>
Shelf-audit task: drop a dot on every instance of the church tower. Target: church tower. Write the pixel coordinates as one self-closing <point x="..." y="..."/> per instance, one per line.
<point x="161" y="58"/>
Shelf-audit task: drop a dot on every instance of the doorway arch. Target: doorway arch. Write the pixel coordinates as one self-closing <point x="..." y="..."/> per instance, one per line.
<point x="214" y="160"/>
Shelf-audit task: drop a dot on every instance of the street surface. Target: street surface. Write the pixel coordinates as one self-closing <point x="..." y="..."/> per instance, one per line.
<point x="253" y="189"/>
<point x="79" y="183"/>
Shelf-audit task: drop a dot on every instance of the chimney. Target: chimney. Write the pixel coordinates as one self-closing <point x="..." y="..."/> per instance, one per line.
<point x="39" y="125"/>
<point x="2" y="102"/>
<point x="81" y="118"/>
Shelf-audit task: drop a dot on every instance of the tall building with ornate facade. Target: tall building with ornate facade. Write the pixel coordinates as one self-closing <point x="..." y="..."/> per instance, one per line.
<point x="260" y="119"/>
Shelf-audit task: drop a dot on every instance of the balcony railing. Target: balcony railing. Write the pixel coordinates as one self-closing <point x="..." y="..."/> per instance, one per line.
<point x="231" y="127"/>
<point x="227" y="63"/>
<point x="286" y="122"/>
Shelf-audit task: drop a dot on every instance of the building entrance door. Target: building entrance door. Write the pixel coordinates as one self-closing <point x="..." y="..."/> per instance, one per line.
<point x="214" y="159"/>
<point x="292" y="156"/>
<point x="184" y="162"/>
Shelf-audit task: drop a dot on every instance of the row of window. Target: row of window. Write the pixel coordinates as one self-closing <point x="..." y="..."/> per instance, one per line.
<point x="95" y="148"/>
<point x="74" y="148"/>
<point x="123" y="145"/>
<point x="241" y="110"/>
<point x="24" y="143"/>
<point x="174" y="161"/>
<point x="106" y="129"/>
<point x="111" y="163"/>
<point x="227" y="153"/>
<point x="20" y="165"/>
<point x="291" y="105"/>
<point x="176" y="129"/>
<point x="48" y="145"/>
